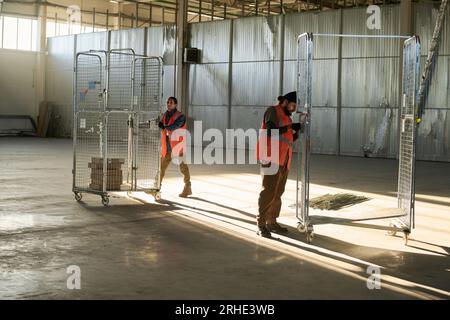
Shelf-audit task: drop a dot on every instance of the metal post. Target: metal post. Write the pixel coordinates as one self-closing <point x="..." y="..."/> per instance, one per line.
<point x="212" y="10"/>
<point x="132" y="20"/>
<point x="120" y="18"/>
<point x="107" y="20"/>
<point x="137" y="14"/>
<point x="150" y="15"/>
<point x="181" y="69"/>
<point x="93" y="20"/>
<point x="282" y="40"/>
<point x="224" y="11"/>
<point x="256" y="7"/>
<point x="230" y="74"/>
<point x="200" y="12"/>
<point x="268" y="7"/>
<point x="281" y="6"/>
<point x="243" y="10"/>
<point x="339" y="86"/>
<point x="162" y="15"/>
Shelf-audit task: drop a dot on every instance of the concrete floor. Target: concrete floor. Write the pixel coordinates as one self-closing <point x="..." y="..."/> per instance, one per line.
<point x="205" y="247"/>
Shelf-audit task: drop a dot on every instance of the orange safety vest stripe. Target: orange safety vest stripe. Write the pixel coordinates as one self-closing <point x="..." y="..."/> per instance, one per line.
<point x="175" y="151"/>
<point x="285" y="141"/>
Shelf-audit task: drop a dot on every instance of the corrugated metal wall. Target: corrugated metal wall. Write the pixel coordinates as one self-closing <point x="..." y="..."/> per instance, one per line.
<point x="242" y="62"/>
<point x="434" y="132"/>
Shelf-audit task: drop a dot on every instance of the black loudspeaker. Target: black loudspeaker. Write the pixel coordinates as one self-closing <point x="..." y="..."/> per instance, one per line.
<point x="191" y="55"/>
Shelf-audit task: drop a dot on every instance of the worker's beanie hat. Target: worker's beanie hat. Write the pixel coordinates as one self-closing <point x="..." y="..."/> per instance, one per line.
<point x="291" y="96"/>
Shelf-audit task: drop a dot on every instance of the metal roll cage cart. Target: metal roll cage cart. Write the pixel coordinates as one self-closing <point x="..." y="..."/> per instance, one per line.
<point x="117" y="97"/>
<point x="402" y="217"/>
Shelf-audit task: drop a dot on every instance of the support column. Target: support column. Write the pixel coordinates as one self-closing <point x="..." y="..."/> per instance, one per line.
<point x="339" y="86"/>
<point x="39" y="85"/>
<point x="181" y="68"/>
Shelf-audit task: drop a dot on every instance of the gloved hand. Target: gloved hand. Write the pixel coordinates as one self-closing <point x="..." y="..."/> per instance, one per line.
<point x="161" y="125"/>
<point x="296" y="126"/>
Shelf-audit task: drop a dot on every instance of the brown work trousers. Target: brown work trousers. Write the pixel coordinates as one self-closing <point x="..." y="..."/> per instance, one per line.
<point x="165" y="161"/>
<point x="269" y="201"/>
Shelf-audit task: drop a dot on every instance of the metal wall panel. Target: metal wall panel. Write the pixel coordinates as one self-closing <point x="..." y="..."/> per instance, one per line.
<point x="371" y="131"/>
<point x="92" y="41"/>
<point x="317" y="22"/>
<point x="439" y="92"/>
<point x="208" y="84"/>
<point x="433" y="141"/>
<point x="60" y="52"/>
<point x="256" y="39"/>
<point x="213" y="39"/>
<point x="425" y="15"/>
<point x="130" y="38"/>
<point x="324" y="81"/>
<point x="17" y="83"/>
<point x="161" y="43"/>
<point x="355" y="22"/>
<point x="255" y="84"/>
<point x="323" y="130"/>
<point x="168" y="82"/>
<point x="59" y="80"/>
<point x="247" y="117"/>
<point x="212" y="117"/>
<point x="370" y="82"/>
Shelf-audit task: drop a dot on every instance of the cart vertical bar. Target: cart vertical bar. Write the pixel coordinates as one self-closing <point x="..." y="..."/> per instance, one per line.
<point x="304" y="96"/>
<point x="408" y="130"/>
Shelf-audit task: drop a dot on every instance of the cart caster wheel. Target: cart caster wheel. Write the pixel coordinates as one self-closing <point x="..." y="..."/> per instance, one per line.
<point x="309" y="237"/>
<point x="105" y="201"/>
<point x="157" y="196"/>
<point x="301" y="228"/>
<point x="392" y="233"/>
<point x="78" y="196"/>
<point x="406" y="237"/>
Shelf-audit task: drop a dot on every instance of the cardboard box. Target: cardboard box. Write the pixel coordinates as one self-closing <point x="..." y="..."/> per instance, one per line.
<point x="109" y="187"/>
<point x="98" y="174"/>
<point x="112" y="163"/>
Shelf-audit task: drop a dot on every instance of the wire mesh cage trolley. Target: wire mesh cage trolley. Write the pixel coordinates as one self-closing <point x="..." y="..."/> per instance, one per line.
<point x="116" y="140"/>
<point x="401" y="217"/>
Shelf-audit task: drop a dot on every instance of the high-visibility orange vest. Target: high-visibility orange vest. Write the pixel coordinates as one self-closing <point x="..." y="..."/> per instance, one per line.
<point x="285" y="141"/>
<point x="180" y="150"/>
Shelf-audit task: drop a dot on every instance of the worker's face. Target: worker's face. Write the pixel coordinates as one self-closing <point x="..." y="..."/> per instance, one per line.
<point x="171" y="104"/>
<point x="291" y="107"/>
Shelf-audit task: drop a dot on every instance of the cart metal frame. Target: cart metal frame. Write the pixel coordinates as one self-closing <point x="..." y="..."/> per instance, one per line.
<point x="117" y="102"/>
<point x="403" y="216"/>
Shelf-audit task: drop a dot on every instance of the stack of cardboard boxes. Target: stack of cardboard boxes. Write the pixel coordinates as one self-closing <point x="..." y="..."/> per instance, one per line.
<point x="113" y="174"/>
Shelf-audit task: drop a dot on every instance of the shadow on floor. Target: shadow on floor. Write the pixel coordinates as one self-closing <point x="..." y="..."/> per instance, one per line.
<point x="423" y="270"/>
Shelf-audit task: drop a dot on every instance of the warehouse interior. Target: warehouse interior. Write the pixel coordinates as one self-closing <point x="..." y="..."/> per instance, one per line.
<point x="205" y="246"/>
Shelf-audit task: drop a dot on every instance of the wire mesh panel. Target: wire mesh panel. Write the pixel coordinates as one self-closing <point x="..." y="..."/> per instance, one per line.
<point x="304" y="94"/>
<point x="120" y="85"/>
<point x="147" y="98"/>
<point x="88" y="145"/>
<point x="119" y="151"/>
<point x="408" y="113"/>
<point x="89" y="82"/>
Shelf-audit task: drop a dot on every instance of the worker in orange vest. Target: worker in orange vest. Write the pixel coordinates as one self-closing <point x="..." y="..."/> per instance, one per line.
<point x="174" y="145"/>
<point x="273" y="183"/>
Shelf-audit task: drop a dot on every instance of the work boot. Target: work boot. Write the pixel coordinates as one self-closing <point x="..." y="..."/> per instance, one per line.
<point x="264" y="232"/>
<point x="275" y="227"/>
<point x="186" y="191"/>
